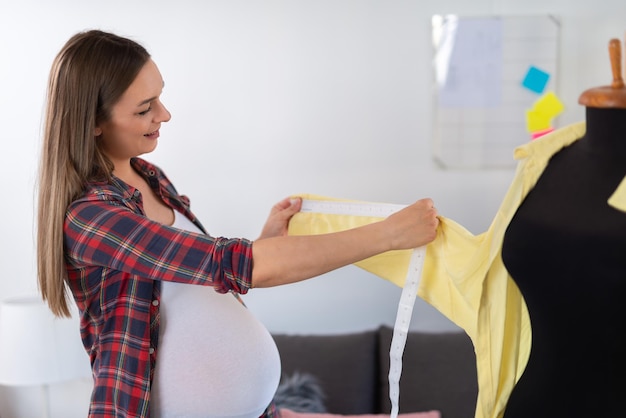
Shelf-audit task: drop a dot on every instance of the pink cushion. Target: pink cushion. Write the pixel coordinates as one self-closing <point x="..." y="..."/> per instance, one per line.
<point x="287" y="413"/>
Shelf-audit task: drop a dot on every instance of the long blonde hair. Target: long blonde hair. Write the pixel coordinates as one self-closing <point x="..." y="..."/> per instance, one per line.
<point x="88" y="76"/>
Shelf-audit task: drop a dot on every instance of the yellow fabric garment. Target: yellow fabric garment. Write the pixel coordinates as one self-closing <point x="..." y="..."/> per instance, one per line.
<point x="465" y="279"/>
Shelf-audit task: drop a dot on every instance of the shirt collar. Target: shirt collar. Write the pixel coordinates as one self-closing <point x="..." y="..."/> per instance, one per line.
<point x="539" y="152"/>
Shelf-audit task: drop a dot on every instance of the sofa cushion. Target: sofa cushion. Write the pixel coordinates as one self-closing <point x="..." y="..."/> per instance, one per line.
<point x="345" y="365"/>
<point x="438" y="372"/>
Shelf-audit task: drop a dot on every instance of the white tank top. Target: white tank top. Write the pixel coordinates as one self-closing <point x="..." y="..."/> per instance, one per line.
<point x="215" y="359"/>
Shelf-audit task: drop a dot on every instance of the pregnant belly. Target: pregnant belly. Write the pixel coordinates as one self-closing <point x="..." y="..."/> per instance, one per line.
<point x="215" y="359"/>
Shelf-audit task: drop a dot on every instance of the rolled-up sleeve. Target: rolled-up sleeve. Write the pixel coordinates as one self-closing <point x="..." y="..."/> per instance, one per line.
<point x="102" y="234"/>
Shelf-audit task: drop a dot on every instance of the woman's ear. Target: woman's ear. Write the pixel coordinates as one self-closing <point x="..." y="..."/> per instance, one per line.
<point x="97" y="131"/>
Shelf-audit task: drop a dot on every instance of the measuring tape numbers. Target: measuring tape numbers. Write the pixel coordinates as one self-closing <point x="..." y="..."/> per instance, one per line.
<point x="409" y="291"/>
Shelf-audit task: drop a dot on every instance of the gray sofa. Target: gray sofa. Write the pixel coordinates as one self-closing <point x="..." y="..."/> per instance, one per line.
<point x="438" y="373"/>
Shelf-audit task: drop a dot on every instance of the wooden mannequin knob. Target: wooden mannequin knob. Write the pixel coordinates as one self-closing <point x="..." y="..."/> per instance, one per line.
<point x="613" y="96"/>
<point x="615" y="53"/>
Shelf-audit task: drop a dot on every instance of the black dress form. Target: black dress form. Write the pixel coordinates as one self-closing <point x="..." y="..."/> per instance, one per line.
<point x="566" y="250"/>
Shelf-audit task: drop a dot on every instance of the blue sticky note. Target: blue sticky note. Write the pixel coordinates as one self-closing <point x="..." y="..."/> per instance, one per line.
<point x="536" y="80"/>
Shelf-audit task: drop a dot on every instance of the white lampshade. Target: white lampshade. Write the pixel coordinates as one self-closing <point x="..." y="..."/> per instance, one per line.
<point x="37" y="348"/>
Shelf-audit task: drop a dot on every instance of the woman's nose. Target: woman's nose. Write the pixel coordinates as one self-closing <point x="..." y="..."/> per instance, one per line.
<point x="163" y="115"/>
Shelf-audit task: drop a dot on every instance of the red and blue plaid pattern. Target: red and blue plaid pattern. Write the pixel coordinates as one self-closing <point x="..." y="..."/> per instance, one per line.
<point x="115" y="259"/>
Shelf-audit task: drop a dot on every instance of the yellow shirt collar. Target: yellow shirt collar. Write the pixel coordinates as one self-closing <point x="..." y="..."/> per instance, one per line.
<point x="542" y="149"/>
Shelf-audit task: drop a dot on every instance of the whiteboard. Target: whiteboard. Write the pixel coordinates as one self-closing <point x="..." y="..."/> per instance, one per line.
<point x="480" y="98"/>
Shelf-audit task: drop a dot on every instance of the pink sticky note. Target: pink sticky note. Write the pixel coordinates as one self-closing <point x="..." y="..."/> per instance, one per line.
<point x="537" y="134"/>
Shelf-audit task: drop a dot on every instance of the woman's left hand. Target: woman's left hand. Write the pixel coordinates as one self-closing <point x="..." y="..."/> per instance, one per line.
<point x="278" y="219"/>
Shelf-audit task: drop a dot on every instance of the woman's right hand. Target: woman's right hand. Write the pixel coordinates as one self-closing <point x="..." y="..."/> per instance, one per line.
<point x="414" y="226"/>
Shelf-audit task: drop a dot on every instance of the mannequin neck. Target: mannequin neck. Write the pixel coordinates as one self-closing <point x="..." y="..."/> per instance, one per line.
<point x="606" y="130"/>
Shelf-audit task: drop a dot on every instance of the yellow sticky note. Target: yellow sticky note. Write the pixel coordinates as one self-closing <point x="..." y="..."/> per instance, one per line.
<point x="546" y="108"/>
<point x="549" y="104"/>
<point x="537" y="121"/>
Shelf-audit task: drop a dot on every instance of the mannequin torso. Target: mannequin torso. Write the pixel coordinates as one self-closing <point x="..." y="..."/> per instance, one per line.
<point x="566" y="250"/>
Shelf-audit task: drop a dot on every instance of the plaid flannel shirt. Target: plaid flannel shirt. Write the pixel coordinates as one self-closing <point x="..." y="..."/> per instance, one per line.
<point x="115" y="259"/>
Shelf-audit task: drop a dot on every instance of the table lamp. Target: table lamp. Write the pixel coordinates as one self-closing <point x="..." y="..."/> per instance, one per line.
<point x="37" y="348"/>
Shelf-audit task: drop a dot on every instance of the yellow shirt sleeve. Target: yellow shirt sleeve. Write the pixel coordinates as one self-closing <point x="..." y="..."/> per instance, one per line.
<point x="453" y="251"/>
<point x="455" y="280"/>
<point x="391" y="265"/>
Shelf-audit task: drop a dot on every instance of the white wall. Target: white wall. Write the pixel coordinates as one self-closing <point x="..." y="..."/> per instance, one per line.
<point x="271" y="98"/>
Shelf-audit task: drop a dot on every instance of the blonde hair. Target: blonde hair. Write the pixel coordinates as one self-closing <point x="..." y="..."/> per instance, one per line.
<point x="88" y="76"/>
